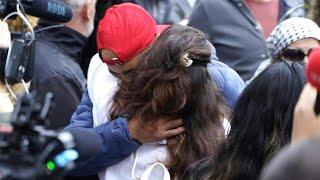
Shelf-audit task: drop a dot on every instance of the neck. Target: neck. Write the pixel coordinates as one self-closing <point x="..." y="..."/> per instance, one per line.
<point x="78" y="25"/>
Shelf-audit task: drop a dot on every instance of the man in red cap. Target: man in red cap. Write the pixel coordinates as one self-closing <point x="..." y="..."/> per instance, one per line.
<point x="121" y="40"/>
<point x="123" y="35"/>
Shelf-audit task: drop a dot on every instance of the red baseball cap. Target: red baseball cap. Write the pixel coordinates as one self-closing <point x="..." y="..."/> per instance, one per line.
<point x="126" y="29"/>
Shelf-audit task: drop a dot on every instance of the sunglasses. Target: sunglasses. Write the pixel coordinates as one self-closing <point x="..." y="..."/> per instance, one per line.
<point x="294" y="54"/>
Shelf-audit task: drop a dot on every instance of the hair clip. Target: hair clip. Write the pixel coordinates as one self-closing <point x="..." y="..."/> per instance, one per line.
<point x="186" y="60"/>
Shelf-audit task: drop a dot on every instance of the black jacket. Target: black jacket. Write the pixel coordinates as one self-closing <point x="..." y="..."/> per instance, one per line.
<point x="57" y="70"/>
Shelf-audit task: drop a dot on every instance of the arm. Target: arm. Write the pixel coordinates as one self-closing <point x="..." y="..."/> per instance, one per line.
<point x="117" y="143"/>
<point x="119" y="139"/>
<point x="82" y="117"/>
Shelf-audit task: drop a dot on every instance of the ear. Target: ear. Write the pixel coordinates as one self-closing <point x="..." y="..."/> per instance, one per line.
<point x="88" y="9"/>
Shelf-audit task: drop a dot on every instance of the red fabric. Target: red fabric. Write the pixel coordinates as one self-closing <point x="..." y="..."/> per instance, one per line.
<point x="313" y="68"/>
<point x="266" y="13"/>
<point x="126" y="29"/>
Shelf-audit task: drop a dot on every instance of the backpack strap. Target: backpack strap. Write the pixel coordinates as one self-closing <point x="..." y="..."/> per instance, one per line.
<point x="147" y="172"/>
<point x="134" y="166"/>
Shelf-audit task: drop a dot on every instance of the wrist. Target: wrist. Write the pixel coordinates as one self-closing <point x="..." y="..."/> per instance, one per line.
<point x="132" y="129"/>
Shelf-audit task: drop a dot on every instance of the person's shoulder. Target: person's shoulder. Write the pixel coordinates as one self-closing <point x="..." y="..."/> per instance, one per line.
<point x="262" y="66"/>
<point x="227" y="80"/>
<point x="220" y="64"/>
<point x="95" y="63"/>
<point x="292" y="2"/>
<point x="224" y="71"/>
<point x="99" y="79"/>
<point x="99" y="69"/>
<point x="226" y="75"/>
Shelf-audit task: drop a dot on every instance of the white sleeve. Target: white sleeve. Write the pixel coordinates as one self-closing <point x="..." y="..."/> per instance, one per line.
<point x="101" y="87"/>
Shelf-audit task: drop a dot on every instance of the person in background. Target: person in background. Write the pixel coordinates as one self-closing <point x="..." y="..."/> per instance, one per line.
<point x="168" y="11"/>
<point x="58" y="50"/>
<point x="300" y="159"/>
<point x="261" y="124"/>
<point x="298" y="34"/>
<point x="56" y="56"/>
<point x="291" y="40"/>
<point x="238" y="28"/>
<point x="295" y="162"/>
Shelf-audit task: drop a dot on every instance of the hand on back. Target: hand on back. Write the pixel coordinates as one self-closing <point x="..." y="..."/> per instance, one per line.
<point x="152" y="131"/>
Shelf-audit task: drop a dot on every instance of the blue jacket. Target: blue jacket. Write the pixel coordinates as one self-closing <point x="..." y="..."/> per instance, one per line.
<point x="117" y="143"/>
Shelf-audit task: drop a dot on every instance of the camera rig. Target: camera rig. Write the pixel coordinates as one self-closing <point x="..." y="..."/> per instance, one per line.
<point x="30" y="150"/>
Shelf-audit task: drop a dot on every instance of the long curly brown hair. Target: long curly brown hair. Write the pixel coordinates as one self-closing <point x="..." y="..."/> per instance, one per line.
<point x="261" y="124"/>
<point x="162" y="85"/>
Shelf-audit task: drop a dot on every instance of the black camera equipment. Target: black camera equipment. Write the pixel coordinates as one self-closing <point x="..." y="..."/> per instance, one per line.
<point x="19" y="61"/>
<point x="20" y="57"/>
<point x="30" y="151"/>
<point x="52" y="10"/>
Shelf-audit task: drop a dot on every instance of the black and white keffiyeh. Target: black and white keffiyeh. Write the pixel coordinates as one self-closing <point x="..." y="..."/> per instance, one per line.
<point x="289" y="31"/>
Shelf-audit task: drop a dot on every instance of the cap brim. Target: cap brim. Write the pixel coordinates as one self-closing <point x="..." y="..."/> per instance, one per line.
<point x="161" y="28"/>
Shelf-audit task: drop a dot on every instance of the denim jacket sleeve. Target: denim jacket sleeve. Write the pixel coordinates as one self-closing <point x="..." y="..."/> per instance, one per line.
<point x="227" y="80"/>
<point x="116" y="140"/>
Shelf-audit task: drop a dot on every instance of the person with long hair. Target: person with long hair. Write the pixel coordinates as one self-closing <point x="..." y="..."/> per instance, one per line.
<point x="171" y="80"/>
<point x="260" y="125"/>
<point x="291" y="40"/>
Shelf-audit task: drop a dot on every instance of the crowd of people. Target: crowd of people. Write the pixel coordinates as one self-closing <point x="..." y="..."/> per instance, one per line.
<point x="181" y="89"/>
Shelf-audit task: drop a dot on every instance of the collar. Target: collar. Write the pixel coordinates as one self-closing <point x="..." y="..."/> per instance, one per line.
<point x="67" y="40"/>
